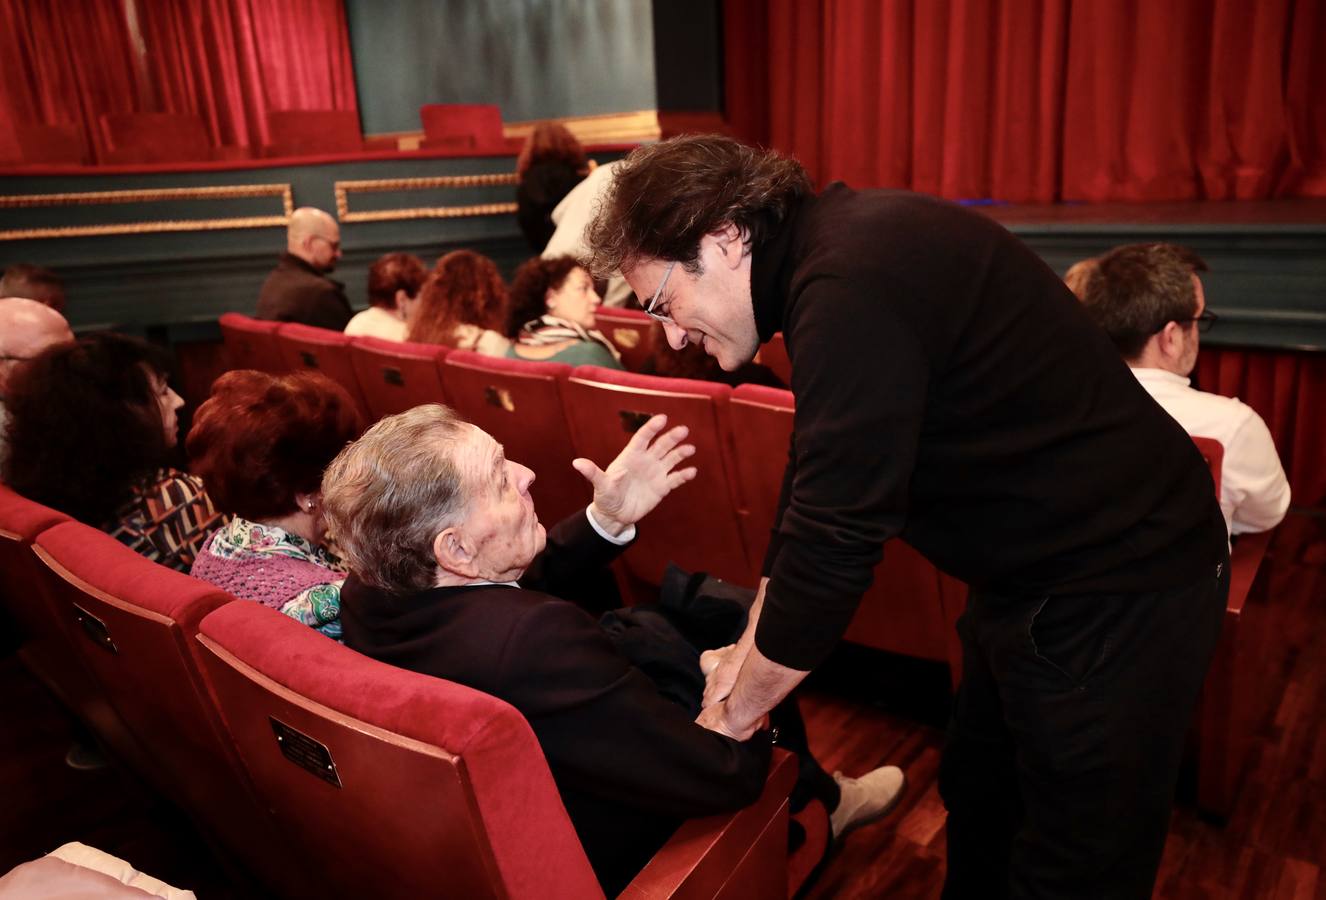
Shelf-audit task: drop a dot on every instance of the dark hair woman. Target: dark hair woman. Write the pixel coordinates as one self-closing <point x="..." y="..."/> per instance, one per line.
<point x="463" y="304"/>
<point x="552" y="315"/>
<point x="92" y="424"/>
<point x="550" y="164"/>
<point x="393" y="287"/>
<point x="260" y="443"/>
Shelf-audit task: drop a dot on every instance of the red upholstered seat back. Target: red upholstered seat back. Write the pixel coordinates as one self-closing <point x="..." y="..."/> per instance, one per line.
<point x="308" y="132"/>
<point x="251" y="343"/>
<point x="41" y="144"/>
<point x="462" y="126"/>
<point x="632" y="332"/>
<point x="405" y="785"/>
<point x="307" y="347"/>
<point x="397" y="375"/>
<point x="903" y="611"/>
<point x="135" y="630"/>
<point x="519" y="403"/>
<point x="154" y="138"/>
<point x="774" y="355"/>
<point x="1214" y="453"/>
<point x="697" y="526"/>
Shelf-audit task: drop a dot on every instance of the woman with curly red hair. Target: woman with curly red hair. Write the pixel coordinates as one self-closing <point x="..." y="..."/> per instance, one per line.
<point x="463" y="304"/>
<point x="260" y="443"/>
<point x="92" y="424"/>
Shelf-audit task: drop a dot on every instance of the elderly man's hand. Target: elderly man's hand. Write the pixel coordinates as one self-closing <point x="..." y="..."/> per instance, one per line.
<point x="642" y="474"/>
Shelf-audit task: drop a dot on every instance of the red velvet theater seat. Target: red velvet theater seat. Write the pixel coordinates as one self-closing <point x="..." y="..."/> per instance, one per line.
<point x="696" y="526"/>
<point x="909" y="608"/>
<point x="306" y="347"/>
<point x="632" y="332"/>
<point x="774" y="355"/>
<point x="519" y="402"/>
<point x="397" y="375"/>
<point x="135" y="627"/>
<point x="412" y="786"/>
<point x="251" y="343"/>
<point x="49" y="145"/>
<point x="154" y="138"/>
<point x="311" y="132"/>
<point x="460" y="126"/>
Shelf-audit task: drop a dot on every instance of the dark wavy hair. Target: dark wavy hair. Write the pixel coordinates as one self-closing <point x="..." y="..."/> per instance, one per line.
<point x="395" y="272"/>
<point x="260" y="439"/>
<point x="551" y="141"/>
<point x="464" y="289"/>
<point x="85" y="425"/>
<point x="1136" y="290"/>
<point x="665" y="197"/>
<point x="529" y="290"/>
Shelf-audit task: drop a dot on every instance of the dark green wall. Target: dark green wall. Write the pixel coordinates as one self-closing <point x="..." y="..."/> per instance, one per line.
<point x="536" y="59"/>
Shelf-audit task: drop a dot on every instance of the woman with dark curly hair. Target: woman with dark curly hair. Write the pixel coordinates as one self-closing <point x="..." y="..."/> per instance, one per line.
<point x="393" y="287"/>
<point x="463" y="304"/>
<point x="92" y="424"/>
<point x="260" y="443"/>
<point x="552" y="315"/>
<point x="550" y="164"/>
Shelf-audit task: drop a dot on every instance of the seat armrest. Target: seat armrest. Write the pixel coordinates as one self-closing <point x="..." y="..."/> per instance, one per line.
<point x="714" y="856"/>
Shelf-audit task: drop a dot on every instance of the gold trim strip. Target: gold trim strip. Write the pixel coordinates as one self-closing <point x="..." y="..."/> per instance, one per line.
<point x="343" y="190"/>
<point x="94" y="198"/>
<point x="631" y="127"/>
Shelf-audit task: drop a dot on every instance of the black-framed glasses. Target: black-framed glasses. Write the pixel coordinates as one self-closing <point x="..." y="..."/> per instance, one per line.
<point x="1205" y="322"/>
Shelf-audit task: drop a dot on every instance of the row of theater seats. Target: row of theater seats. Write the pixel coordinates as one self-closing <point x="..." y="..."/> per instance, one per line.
<point x="148" y="138"/>
<point x="546" y="414"/>
<point x="318" y="771"/>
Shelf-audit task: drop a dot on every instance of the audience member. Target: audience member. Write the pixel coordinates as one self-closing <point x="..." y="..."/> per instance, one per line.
<point x="572" y="217"/>
<point x="298" y="289"/>
<point x="34" y="283"/>
<point x="393" y="287"/>
<point x="92" y="424"/>
<point x="260" y="443"/>
<point x="1150" y="301"/>
<point x="550" y="164"/>
<point x="1078" y="274"/>
<point x="552" y="315"/>
<point x="441" y="536"/>
<point x="463" y="304"/>
<point x="27" y="327"/>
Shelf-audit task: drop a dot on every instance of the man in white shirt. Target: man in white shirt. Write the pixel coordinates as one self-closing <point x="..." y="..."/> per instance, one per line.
<point x="572" y="217"/>
<point x="1149" y="300"/>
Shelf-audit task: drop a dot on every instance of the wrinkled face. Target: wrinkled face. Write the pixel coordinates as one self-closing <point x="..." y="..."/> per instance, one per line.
<point x="168" y="403"/>
<point x="712" y="308"/>
<point x="500" y="531"/>
<point x="324" y="247"/>
<point x="575" y="299"/>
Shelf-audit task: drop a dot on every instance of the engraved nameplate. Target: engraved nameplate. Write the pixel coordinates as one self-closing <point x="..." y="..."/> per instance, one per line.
<point x="305" y="752"/>
<point x="95" y="629"/>
<point x="633" y="421"/>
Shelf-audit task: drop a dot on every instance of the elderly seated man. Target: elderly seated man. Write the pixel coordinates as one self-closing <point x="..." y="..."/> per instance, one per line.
<point x="454" y="576"/>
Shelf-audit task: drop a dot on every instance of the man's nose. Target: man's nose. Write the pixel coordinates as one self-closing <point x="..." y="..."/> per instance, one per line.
<point x="677" y="338"/>
<point x="525" y="479"/>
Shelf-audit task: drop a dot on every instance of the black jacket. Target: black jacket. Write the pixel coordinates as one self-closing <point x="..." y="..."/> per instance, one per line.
<point x="951" y="390"/>
<point x="630" y="765"/>
<point x="297" y="292"/>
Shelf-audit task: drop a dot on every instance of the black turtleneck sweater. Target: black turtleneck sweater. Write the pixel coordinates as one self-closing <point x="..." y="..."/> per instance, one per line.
<point x="950" y="390"/>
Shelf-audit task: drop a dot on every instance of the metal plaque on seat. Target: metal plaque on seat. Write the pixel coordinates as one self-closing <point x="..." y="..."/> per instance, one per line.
<point x="309" y="754"/>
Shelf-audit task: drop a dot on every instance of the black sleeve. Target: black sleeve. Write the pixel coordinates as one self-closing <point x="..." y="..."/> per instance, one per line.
<point x="609" y="734"/>
<point x="860" y="382"/>
<point x="574" y="550"/>
<point x="328" y="308"/>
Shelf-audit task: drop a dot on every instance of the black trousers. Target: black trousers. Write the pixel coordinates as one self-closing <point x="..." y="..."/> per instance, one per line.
<point x="1066" y="737"/>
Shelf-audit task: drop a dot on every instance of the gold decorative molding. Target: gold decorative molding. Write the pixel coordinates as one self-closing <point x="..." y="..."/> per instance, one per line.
<point x="391" y="185"/>
<point x="153" y="195"/>
<point x="608" y="128"/>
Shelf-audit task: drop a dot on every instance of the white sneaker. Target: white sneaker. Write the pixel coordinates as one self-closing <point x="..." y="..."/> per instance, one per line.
<point x="865" y="799"/>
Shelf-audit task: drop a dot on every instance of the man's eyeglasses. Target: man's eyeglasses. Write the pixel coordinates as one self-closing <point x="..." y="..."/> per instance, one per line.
<point x="658" y="292"/>
<point x="1205" y="321"/>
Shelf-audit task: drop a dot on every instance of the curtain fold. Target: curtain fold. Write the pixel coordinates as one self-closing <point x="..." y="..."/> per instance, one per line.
<point x="1038" y="100"/>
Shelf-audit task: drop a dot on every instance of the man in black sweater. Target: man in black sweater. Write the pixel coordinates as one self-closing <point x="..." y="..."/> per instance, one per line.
<point x="950" y="390"/>
<point x="298" y="289"/>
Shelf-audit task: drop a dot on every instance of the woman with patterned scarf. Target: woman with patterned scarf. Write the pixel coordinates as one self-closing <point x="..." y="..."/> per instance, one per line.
<point x="552" y="315"/>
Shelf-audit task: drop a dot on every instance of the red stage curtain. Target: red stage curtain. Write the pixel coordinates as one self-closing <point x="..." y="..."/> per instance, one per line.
<point x="1037" y="100"/>
<point x="1288" y="390"/>
<point x="231" y="61"/>
<point x="62" y="66"/>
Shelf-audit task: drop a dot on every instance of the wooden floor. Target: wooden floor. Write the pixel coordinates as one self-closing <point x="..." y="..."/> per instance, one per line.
<point x="1274" y="846"/>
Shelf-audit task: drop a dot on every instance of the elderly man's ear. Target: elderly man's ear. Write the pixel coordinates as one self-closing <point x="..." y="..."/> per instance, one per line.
<point x="453" y="553"/>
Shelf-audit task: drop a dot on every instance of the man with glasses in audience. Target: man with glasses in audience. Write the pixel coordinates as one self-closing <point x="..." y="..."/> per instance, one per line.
<point x="1149" y="299"/>
<point x="298" y="289"/>
<point x="951" y="391"/>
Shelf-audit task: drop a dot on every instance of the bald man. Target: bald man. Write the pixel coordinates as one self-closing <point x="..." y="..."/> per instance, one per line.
<point x="298" y="289"/>
<point x="26" y="328"/>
